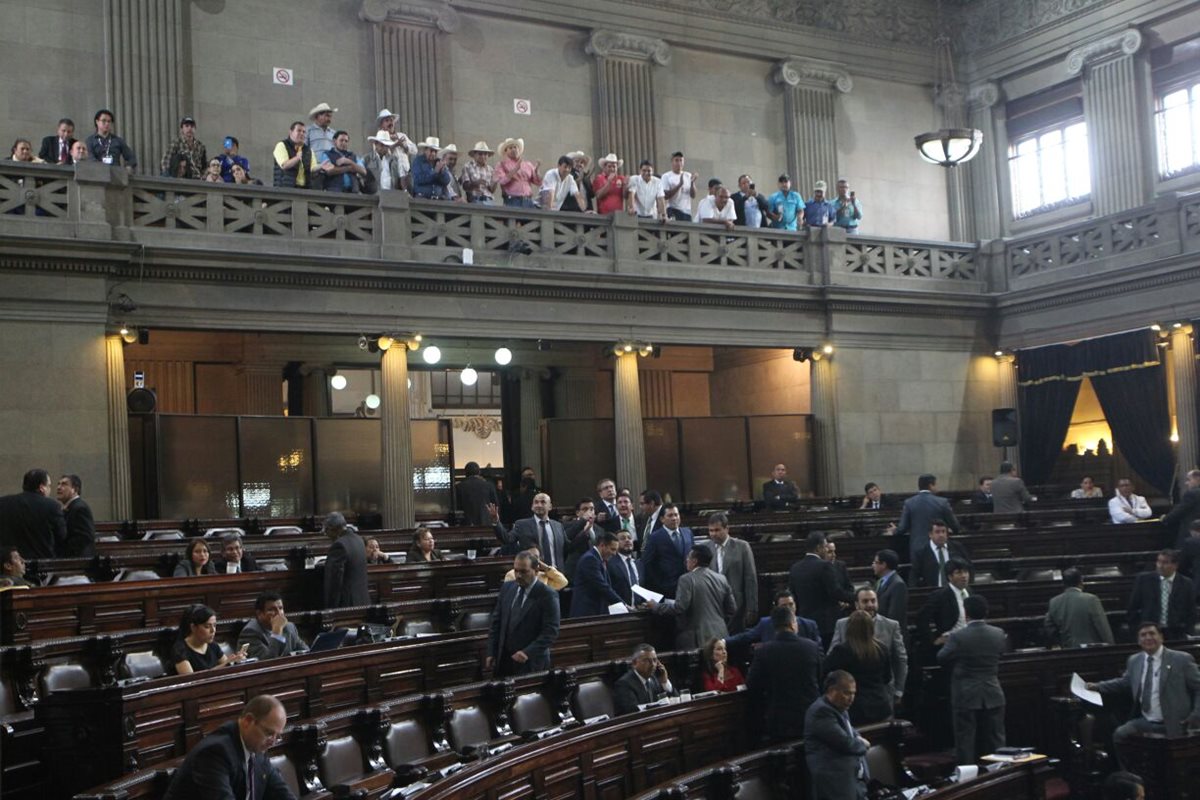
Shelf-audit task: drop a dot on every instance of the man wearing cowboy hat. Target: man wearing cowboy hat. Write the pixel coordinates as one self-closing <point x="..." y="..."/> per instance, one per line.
<point x="429" y="177"/>
<point x="449" y="155"/>
<point x="516" y="176"/>
<point x="318" y="134"/>
<point x="399" y="142"/>
<point x="818" y="213"/>
<point x="383" y="162"/>
<point x="610" y="185"/>
<point x="581" y="170"/>
<point x="478" y="178"/>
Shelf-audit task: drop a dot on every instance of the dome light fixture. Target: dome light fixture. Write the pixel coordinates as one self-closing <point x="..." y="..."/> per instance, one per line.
<point x="468" y="376"/>
<point x="503" y="356"/>
<point x="385" y="342"/>
<point x="338" y="382"/>
<point x="372" y="401"/>
<point x="432" y="354"/>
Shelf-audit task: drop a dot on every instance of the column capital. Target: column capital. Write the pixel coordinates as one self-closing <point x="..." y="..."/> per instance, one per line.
<point x="617" y="44"/>
<point x="430" y="13"/>
<point x="1123" y="43"/>
<point x="819" y="74"/>
<point x="983" y="95"/>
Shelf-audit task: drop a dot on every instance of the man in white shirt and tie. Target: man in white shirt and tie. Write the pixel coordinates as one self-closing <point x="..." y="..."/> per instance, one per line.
<point x="626" y="521"/>
<point x="537" y="531"/>
<point x="623" y="570"/>
<point x="944" y="611"/>
<point x="929" y="566"/>
<point x="1125" y="506"/>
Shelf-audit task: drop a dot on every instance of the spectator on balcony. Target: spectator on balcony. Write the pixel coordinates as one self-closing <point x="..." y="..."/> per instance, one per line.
<point x="242" y="176"/>
<point x="582" y="170"/>
<point x="646" y="197"/>
<point x="196" y="561"/>
<point x="713" y="185"/>
<point x="679" y="188"/>
<point x="557" y="186"/>
<point x="319" y="134"/>
<point x="785" y="206"/>
<point x="847" y="211"/>
<point x="56" y="148"/>
<point x="610" y="185"/>
<point x="743" y="195"/>
<point x="229" y="156"/>
<point x="818" y="212"/>
<point x="383" y="163"/>
<point x="196" y="648"/>
<point x="295" y="163"/>
<point x="213" y="174"/>
<point x="80" y="152"/>
<point x="22" y="150"/>
<point x="478" y="178"/>
<point x="430" y="177"/>
<point x="187" y="150"/>
<point x="344" y="173"/>
<point x="717" y="209"/>
<point x="516" y="176"/>
<point x="105" y="146"/>
<point x="1087" y="489"/>
<point x="449" y="155"/>
<point x="402" y="147"/>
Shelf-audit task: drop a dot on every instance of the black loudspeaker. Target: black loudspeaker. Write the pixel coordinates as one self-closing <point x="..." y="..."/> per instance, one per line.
<point x="1004" y="427"/>
<point x="141" y="401"/>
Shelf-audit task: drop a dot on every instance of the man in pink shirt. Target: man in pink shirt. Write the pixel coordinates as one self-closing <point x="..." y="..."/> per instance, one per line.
<point x="517" y="177"/>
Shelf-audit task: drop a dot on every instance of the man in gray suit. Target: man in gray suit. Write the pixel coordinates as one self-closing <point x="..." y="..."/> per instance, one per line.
<point x="345" y="566"/>
<point x="539" y="531"/>
<point x="703" y="603"/>
<point x="976" y="699"/>
<point x="888" y="633"/>
<point x="835" y="753"/>
<point x="1009" y="494"/>
<point x="269" y="634"/>
<point x="1075" y="617"/>
<point x="734" y="559"/>
<point x="920" y="511"/>
<point x="1164" y="685"/>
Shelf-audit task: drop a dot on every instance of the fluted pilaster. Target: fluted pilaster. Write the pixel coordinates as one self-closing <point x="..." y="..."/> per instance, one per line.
<point x="1117" y="111"/>
<point x="810" y="106"/>
<point x="824" y="408"/>
<point x="317" y="401"/>
<point x="262" y="389"/>
<point x="627" y="422"/>
<point x="531" y="419"/>
<point x="398" y="505"/>
<point x="1183" y="371"/>
<point x="147" y="79"/>
<point x="575" y="394"/>
<point x="972" y="189"/>
<point x="121" y="495"/>
<point x="624" y="101"/>
<point x="1006" y="394"/>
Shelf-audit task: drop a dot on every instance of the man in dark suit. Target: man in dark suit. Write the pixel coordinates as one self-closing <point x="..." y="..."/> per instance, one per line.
<point x="1009" y="495"/>
<point x="945" y="611"/>
<point x="593" y="591"/>
<point x="539" y="531"/>
<point x="645" y="682"/>
<point x="81" y="527"/>
<point x="475" y="493"/>
<point x="1076" y="618"/>
<point x="779" y="492"/>
<point x="345" y="566"/>
<point x="234" y="558"/>
<point x="650" y="519"/>
<point x="890" y="587"/>
<point x="764" y="631"/>
<point x="1189" y="551"/>
<point x="920" y="511"/>
<point x="874" y="499"/>
<point x="12" y="567"/>
<point x="581" y="534"/>
<point x="733" y="558"/>
<point x="231" y="763"/>
<point x="605" y="503"/>
<point x="664" y="555"/>
<point x="976" y="699"/>
<point x="783" y="680"/>
<point x="1180" y="518"/>
<point x="1165" y="597"/>
<point x="524" y="624"/>
<point x="31" y="521"/>
<point x="929" y="565"/>
<point x="814" y="583"/>
<point x="835" y="754"/>
<point x="624" y="571"/>
<point x="269" y="634"/>
<point x="56" y="148"/>
<point x="981" y="499"/>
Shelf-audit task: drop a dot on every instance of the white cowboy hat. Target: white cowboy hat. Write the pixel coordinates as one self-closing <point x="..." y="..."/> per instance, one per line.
<point x="480" y="147"/>
<point x="520" y="143"/>
<point x="385" y="114"/>
<point x="574" y="154"/>
<point x="321" y="108"/>
<point x="613" y="158"/>
<point x="819" y="186"/>
<point x="431" y="142"/>
<point x="383" y="137"/>
<point x="450" y="148"/>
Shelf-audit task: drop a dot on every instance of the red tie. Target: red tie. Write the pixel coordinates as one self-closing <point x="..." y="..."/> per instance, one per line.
<point x="62" y="151"/>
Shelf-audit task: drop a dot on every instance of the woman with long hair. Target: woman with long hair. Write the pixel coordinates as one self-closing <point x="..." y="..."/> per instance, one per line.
<point x="718" y="675"/>
<point x="196" y="648"/>
<point x="196" y="561"/>
<point x="424" y="548"/>
<point x="866" y="660"/>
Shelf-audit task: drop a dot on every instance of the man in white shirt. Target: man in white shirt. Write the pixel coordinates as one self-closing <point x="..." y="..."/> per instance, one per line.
<point x="1125" y="506"/>
<point x="402" y="147"/>
<point x="679" y="188"/>
<point x="646" y="199"/>
<point x="717" y="209"/>
<point x="559" y="184"/>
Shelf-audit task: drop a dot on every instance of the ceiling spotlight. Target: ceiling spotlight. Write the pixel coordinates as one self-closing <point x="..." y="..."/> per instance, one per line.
<point x="385" y="342"/>
<point x="417" y="338"/>
<point x="338" y="382"/>
<point x="362" y="342"/>
<point x="128" y="335"/>
<point x="802" y="354"/>
<point x="371" y="401"/>
<point x="542" y="345"/>
<point x="628" y="347"/>
<point x="468" y="376"/>
<point x="827" y="349"/>
<point x="1156" y="327"/>
<point x="645" y="350"/>
<point x="413" y="344"/>
<point x="124" y="329"/>
<point x="503" y="356"/>
<point x="1176" y="325"/>
<point x="617" y="350"/>
<point x="998" y="353"/>
<point x="432" y="354"/>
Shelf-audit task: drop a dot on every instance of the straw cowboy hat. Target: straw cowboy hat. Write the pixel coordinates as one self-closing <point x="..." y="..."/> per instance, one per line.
<point x="386" y="114"/>
<point x="579" y="154"/>
<point x="610" y="157"/>
<point x="382" y="136"/>
<point x="480" y="147"/>
<point x="431" y="142"/>
<point x="520" y="143"/>
<point x="321" y="108"/>
<point x="450" y="148"/>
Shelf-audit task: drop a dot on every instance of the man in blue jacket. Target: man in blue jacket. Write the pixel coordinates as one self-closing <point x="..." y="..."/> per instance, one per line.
<point x="592" y="591"/>
<point x="664" y="556"/>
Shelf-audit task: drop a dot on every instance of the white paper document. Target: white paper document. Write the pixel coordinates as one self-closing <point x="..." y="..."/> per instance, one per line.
<point x="646" y="594"/>
<point x="618" y="608"/>
<point x="1080" y="690"/>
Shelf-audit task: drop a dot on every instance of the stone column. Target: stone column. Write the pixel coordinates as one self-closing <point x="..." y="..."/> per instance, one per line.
<point x="317" y="402"/>
<point x="262" y="389"/>
<point x="575" y="394"/>
<point x="121" y="497"/>
<point x="627" y="422"/>
<point x="974" y="202"/>
<point x="1183" y="366"/>
<point x="398" y="505"/>
<point x="412" y="73"/>
<point x="810" y="90"/>
<point x="1118" y="113"/>
<point x="1006" y="395"/>
<point x="147" y="79"/>
<point x="624" y="102"/>
<point x="825" y="433"/>
<point x="531" y="420"/>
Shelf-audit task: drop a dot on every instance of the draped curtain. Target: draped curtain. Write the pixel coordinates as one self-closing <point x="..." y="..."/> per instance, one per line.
<point x="1045" y="414"/>
<point x="1135" y="405"/>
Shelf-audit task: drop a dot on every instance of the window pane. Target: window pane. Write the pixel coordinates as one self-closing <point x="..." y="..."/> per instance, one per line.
<point x="1049" y="168"/>
<point x="1178" y="125"/>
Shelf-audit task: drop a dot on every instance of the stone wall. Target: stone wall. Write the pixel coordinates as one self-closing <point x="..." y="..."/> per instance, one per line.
<point x="759" y="382"/>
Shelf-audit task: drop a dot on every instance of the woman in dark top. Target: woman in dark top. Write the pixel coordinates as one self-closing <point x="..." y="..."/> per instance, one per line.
<point x="196" y="562"/>
<point x="865" y="659"/>
<point x="375" y="554"/>
<point x="424" y="548"/>
<point x="718" y="675"/>
<point x="196" y="648"/>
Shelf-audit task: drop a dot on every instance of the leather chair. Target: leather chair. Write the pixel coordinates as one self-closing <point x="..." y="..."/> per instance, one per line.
<point x="469" y="727"/>
<point x="64" y="676"/>
<point x="341" y="762"/>
<point x="284" y="530"/>
<point x="137" y="575"/>
<point x="418" y="627"/>
<point x="1040" y="575"/>
<point x="287" y="771"/>
<point x="163" y="535"/>
<point x="756" y="788"/>
<point x="532" y="712"/>
<point x="142" y="665"/>
<point x="217" y="533"/>
<point x="592" y="699"/>
<point x="476" y="621"/>
<point x="881" y="765"/>
<point x="406" y="743"/>
<point x="68" y="580"/>
<point x="8" y="699"/>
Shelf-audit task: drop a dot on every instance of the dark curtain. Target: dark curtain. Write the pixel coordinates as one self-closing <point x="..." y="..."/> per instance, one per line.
<point x="1135" y="404"/>
<point x="1045" y="414"/>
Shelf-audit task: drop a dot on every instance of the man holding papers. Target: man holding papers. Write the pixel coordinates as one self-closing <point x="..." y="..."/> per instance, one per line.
<point x="703" y="603"/>
<point x="594" y="593"/>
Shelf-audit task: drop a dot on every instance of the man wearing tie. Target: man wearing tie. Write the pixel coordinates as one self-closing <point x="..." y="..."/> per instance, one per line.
<point x="594" y="592"/>
<point x="836" y="755"/>
<point x="779" y="491"/>
<point x="623" y="570"/>
<point x="1165" y="688"/>
<point x="890" y="587"/>
<point x="56" y="149"/>
<point x="944" y="610"/>
<point x="734" y="559"/>
<point x="664" y="555"/>
<point x="626" y="521"/>
<point x="606" y="505"/>
<point x="524" y="624"/>
<point x="1165" y="597"/>
<point x="651" y="519"/>
<point x="976" y="698"/>
<point x="645" y="682"/>
<point x="929" y="566"/>
<point x="537" y="531"/>
<point x="874" y="499"/>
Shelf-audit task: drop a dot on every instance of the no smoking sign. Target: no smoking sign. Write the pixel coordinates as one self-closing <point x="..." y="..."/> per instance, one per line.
<point x="282" y="76"/>
<point x="523" y="107"/>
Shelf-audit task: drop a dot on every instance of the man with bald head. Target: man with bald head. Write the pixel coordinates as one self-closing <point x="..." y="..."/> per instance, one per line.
<point x="779" y="492"/>
<point x="345" y="566"/>
<point x="539" y="531"/>
<point x="231" y="763"/>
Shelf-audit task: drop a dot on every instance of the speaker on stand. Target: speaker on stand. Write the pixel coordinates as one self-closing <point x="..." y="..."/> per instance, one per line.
<point x="1005" y="431"/>
<point x="141" y="401"/>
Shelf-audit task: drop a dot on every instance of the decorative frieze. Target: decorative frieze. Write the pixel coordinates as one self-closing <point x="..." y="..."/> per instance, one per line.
<point x="1125" y="43"/>
<point x="433" y="13"/>
<point x="618" y="44"/>
<point x="820" y="74"/>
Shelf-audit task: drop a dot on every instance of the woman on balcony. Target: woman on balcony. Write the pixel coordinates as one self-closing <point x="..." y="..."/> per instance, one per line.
<point x="22" y="150"/>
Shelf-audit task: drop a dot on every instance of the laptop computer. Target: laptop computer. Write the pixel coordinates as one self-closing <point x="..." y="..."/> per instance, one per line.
<point x="330" y="640"/>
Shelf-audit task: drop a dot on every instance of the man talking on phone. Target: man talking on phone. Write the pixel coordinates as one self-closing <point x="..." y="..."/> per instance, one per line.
<point x="647" y="682"/>
<point x="847" y="209"/>
<point x="229" y="156"/>
<point x="524" y="624"/>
